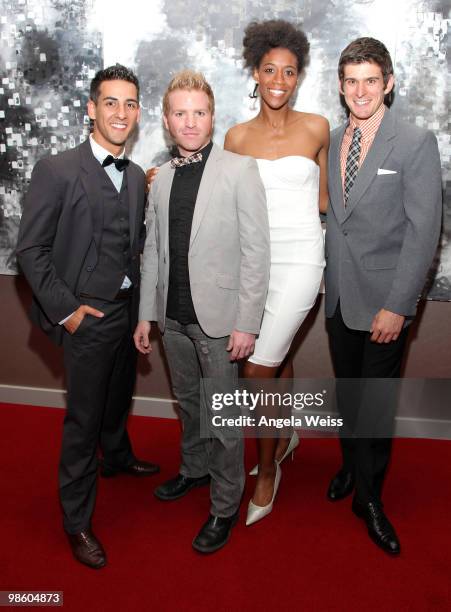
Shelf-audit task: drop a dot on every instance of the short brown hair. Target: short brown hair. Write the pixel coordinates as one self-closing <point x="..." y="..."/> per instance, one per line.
<point x="188" y="79"/>
<point x="366" y="50"/>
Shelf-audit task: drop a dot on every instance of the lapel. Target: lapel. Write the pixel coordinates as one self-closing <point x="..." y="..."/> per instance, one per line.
<point x="379" y="150"/>
<point x="132" y="186"/>
<point x="164" y="181"/>
<point x="90" y="180"/>
<point x="206" y="186"/>
<point x="335" y="182"/>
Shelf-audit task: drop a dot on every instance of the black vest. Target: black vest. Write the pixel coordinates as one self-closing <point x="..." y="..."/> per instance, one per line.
<point x="114" y="253"/>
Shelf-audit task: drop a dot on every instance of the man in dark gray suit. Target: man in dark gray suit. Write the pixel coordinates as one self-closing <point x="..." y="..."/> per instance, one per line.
<point x="79" y="246"/>
<point x="204" y="279"/>
<point x="383" y="225"/>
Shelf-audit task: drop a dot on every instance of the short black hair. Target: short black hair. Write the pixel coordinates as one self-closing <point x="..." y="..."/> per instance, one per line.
<point x="112" y="73"/>
<point x="261" y="37"/>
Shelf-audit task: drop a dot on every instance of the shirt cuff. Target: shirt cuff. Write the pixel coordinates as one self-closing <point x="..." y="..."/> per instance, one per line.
<point x="64" y="320"/>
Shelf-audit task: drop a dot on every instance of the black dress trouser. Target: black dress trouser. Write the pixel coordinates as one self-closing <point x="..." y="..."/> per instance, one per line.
<point x="367" y="388"/>
<point x="100" y="362"/>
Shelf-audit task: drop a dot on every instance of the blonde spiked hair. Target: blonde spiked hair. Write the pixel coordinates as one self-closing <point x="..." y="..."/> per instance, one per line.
<point x="189" y="79"/>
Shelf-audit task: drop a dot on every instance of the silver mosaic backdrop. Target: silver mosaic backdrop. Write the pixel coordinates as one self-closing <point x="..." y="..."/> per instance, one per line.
<point x="50" y="49"/>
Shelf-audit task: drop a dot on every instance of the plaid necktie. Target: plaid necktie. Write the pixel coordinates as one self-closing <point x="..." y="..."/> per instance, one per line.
<point x="178" y="162"/>
<point x="352" y="162"/>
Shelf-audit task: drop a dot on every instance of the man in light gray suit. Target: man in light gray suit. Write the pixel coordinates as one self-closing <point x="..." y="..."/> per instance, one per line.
<point x="383" y="225"/>
<point x="204" y="279"/>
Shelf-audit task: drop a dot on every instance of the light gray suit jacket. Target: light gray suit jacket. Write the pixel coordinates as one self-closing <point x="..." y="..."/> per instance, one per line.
<point x="379" y="249"/>
<point x="229" y="254"/>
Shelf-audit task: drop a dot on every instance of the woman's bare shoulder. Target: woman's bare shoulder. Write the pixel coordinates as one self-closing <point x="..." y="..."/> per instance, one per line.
<point x="312" y="120"/>
<point x="317" y="122"/>
<point x="317" y="125"/>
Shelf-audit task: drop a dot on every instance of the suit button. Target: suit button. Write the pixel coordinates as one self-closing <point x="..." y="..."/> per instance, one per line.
<point x="345" y="233"/>
<point x="89" y="269"/>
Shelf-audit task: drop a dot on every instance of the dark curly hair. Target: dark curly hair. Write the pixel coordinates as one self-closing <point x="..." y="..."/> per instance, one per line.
<point x="261" y="37"/>
<point x="112" y="73"/>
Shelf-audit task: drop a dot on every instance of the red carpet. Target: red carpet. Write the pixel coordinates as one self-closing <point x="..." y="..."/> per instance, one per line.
<point x="308" y="555"/>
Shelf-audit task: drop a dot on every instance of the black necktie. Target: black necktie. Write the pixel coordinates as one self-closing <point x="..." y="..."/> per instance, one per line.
<point x="120" y="163"/>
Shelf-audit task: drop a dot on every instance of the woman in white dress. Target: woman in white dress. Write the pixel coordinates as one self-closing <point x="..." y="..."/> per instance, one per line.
<point x="291" y="151"/>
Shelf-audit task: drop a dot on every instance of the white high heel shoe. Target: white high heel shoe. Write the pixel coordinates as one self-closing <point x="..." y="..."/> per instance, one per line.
<point x="293" y="444"/>
<point x="256" y="513"/>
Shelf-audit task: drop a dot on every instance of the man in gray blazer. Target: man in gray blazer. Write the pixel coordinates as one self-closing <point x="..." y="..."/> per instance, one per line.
<point x="204" y="279"/>
<point x="383" y="225"/>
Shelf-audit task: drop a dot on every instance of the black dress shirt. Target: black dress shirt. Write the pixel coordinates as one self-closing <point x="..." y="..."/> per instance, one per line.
<point x="182" y="201"/>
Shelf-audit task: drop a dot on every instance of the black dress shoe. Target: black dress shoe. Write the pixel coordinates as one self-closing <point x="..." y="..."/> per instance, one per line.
<point x="380" y="530"/>
<point x="341" y="485"/>
<point x="215" y="533"/>
<point x="87" y="549"/>
<point x="179" y="486"/>
<point x="137" y="468"/>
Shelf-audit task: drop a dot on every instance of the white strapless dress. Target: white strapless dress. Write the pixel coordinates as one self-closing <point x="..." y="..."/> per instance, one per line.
<point x="297" y="253"/>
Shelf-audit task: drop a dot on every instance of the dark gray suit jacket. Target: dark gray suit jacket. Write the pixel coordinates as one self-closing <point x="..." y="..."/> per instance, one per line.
<point x="379" y="249"/>
<point x="61" y="230"/>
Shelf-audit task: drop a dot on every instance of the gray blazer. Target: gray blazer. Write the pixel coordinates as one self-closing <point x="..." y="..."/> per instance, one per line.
<point x="228" y="256"/>
<point x="379" y="249"/>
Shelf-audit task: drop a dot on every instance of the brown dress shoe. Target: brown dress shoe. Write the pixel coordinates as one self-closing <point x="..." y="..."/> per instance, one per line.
<point x="87" y="549"/>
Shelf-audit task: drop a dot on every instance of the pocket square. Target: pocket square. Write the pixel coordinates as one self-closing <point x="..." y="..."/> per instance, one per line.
<point x="384" y="171"/>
